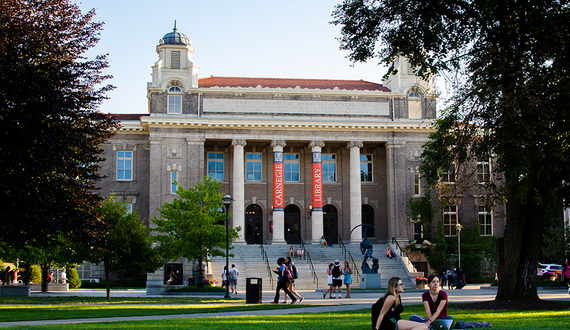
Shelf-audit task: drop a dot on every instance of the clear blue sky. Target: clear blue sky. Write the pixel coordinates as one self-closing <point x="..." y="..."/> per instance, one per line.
<point x="277" y="39"/>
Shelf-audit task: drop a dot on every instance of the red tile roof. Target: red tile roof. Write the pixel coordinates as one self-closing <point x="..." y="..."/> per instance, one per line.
<point x="324" y="84"/>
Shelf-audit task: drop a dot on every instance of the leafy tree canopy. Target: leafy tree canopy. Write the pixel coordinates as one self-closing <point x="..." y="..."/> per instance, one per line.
<point x="193" y="225"/>
<point x="50" y="131"/>
<point x="509" y="67"/>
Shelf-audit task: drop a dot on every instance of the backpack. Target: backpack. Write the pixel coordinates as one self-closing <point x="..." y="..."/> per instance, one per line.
<point x="233" y="274"/>
<point x="336" y="271"/>
<point x="376" y="309"/>
<point x="295" y="272"/>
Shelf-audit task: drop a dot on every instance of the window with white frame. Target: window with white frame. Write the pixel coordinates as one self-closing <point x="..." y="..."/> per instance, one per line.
<point x="291" y="167"/>
<point x="329" y="167"/>
<point x="124" y="165"/>
<point x="174" y="100"/>
<point x="173" y="178"/>
<point x="483" y="170"/>
<point x="450" y="220"/>
<point x="414" y="105"/>
<point x="365" y="168"/>
<point x="129" y="207"/>
<point x="448" y="175"/>
<point x="485" y="221"/>
<point x="417" y="184"/>
<point x="253" y="166"/>
<point x="216" y="165"/>
<point x="84" y="271"/>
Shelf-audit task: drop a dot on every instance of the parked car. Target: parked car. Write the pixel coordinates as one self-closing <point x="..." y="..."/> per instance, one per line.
<point x="553" y="268"/>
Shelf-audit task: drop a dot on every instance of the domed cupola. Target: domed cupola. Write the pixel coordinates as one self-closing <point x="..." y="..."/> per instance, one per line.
<point x="175" y="38"/>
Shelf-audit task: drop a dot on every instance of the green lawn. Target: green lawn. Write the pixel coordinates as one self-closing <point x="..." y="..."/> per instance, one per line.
<point x="77" y="307"/>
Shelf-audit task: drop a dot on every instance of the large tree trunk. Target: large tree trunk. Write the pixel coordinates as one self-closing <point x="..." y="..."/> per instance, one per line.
<point x="107" y="273"/>
<point x="517" y="251"/>
<point x="45" y="273"/>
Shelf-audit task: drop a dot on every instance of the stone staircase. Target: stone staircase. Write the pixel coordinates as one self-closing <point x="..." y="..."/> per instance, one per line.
<point x="250" y="262"/>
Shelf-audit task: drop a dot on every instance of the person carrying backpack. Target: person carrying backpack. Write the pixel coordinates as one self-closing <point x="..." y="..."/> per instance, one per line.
<point x="233" y="279"/>
<point x="283" y="275"/>
<point x="291" y="281"/>
<point x="337" y="279"/>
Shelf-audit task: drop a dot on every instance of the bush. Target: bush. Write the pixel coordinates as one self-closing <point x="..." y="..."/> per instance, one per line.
<point x="73" y="279"/>
<point x="35" y="274"/>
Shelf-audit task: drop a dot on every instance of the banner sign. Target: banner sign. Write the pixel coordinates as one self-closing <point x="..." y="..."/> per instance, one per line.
<point x="278" y="191"/>
<point x="317" y="179"/>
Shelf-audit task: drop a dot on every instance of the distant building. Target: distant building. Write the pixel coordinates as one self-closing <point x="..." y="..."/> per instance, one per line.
<point x="302" y="158"/>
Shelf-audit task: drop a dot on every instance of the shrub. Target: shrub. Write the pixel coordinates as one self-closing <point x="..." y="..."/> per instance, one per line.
<point x="35" y="274"/>
<point x="73" y="279"/>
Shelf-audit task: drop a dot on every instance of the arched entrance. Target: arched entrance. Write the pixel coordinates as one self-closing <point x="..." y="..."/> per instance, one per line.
<point x="330" y="224"/>
<point x="292" y="224"/>
<point x="368" y="218"/>
<point x="253" y="224"/>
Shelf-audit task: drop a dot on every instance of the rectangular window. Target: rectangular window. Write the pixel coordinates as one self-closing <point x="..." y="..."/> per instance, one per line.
<point x="448" y="175"/>
<point x="83" y="271"/>
<point x="291" y="167"/>
<point x="175" y="60"/>
<point x="129" y="207"/>
<point x="173" y="178"/>
<point x="483" y="170"/>
<point x="175" y="104"/>
<point x="124" y="165"/>
<point x="365" y="168"/>
<point x="450" y="220"/>
<point x="253" y="166"/>
<point x="417" y="187"/>
<point x="485" y="221"/>
<point x="329" y="167"/>
<point x="216" y="165"/>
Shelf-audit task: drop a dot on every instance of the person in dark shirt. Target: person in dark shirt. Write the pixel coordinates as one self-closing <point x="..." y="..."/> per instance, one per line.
<point x="386" y="311"/>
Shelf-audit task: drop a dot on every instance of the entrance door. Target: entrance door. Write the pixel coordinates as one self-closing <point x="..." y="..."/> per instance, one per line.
<point x="253" y="221"/>
<point x="330" y="224"/>
<point x="368" y="218"/>
<point x="292" y="224"/>
<point x="178" y="271"/>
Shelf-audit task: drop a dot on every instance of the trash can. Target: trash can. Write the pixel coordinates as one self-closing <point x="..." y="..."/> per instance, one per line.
<point x="253" y="290"/>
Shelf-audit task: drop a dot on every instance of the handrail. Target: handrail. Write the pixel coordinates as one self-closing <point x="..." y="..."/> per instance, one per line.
<point x="307" y="256"/>
<point x="402" y="252"/>
<point x="264" y="256"/>
<point x="351" y="259"/>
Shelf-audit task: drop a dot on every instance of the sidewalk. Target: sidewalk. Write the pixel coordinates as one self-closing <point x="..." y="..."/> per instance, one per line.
<point x="359" y="300"/>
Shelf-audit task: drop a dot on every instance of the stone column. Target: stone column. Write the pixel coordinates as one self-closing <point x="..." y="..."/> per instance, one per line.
<point x="278" y="193"/>
<point x="355" y="191"/>
<point x="317" y="191"/>
<point x="238" y="182"/>
<point x="395" y="166"/>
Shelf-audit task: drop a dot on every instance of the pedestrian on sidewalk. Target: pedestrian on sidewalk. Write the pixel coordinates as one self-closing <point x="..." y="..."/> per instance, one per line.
<point x="347" y="271"/>
<point x="282" y="276"/>
<point x="330" y="282"/>
<point x="234" y="272"/>
<point x="291" y="282"/>
<point x="337" y="279"/>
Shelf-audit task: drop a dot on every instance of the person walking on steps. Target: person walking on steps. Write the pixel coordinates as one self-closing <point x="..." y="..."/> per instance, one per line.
<point x="283" y="275"/>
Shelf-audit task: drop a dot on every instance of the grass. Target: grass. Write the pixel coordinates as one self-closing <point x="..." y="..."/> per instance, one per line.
<point x="82" y="307"/>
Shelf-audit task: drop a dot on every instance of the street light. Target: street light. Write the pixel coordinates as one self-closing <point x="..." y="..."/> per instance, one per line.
<point x="458" y="226"/>
<point x="227" y="200"/>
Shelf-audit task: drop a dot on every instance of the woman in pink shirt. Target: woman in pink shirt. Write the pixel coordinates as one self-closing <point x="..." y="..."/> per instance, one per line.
<point x="435" y="301"/>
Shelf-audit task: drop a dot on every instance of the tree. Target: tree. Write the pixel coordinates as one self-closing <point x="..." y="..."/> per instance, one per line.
<point x="127" y="247"/>
<point x="50" y="130"/>
<point x="193" y="225"/>
<point x="510" y="63"/>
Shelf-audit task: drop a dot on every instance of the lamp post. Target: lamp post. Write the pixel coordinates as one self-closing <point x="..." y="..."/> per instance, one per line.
<point x="458" y="226"/>
<point x="227" y="200"/>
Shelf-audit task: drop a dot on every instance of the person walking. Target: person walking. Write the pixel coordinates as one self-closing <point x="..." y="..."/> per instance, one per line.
<point x="282" y="275"/>
<point x="386" y="311"/>
<point x="234" y="272"/>
<point x="450" y="278"/>
<point x="291" y="281"/>
<point x="225" y="277"/>
<point x="330" y="282"/>
<point x="566" y="273"/>
<point x="347" y="272"/>
<point x="337" y="279"/>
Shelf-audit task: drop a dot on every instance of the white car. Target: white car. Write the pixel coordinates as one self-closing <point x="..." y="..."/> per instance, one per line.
<point x="554" y="268"/>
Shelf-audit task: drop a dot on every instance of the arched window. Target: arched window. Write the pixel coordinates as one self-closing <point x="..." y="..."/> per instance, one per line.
<point x="174" y="100"/>
<point x="414" y="105"/>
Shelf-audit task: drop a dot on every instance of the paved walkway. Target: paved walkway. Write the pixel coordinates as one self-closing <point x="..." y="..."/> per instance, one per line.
<point x="359" y="300"/>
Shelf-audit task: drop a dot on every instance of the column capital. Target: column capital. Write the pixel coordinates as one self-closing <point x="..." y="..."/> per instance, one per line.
<point x="355" y="144"/>
<point x="278" y="143"/>
<point x="239" y="142"/>
<point x="316" y="143"/>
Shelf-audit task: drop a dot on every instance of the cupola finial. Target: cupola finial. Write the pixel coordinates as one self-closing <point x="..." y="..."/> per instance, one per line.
<point x="175" y="29"/>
